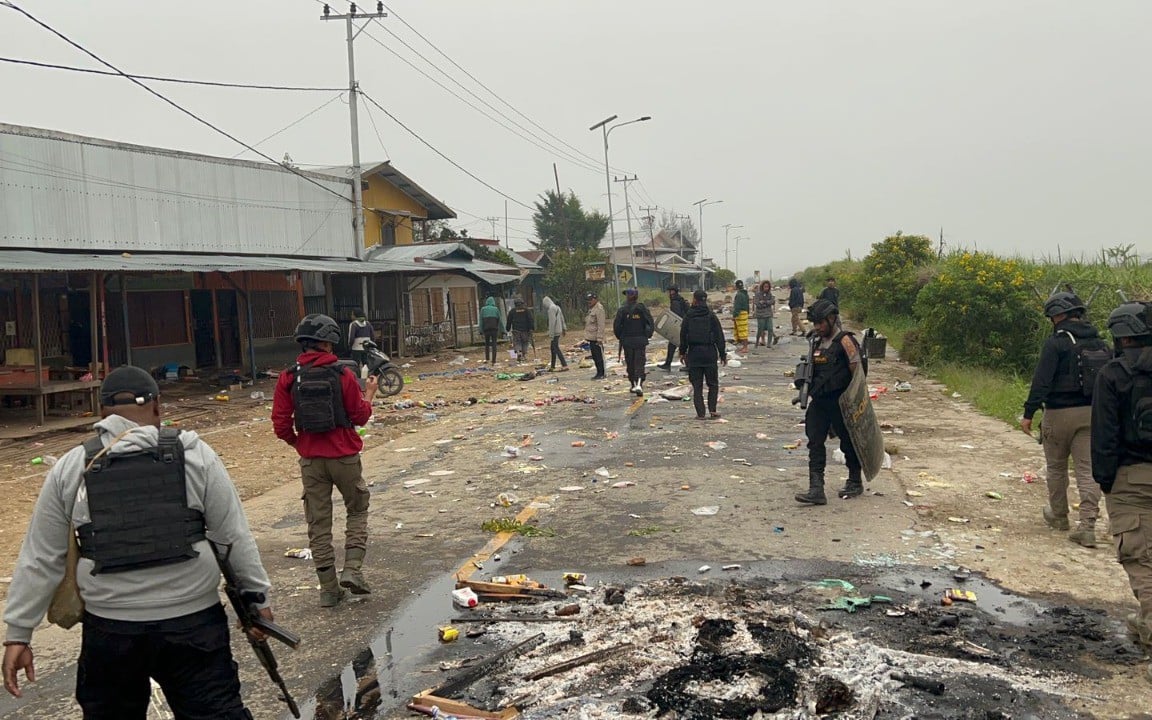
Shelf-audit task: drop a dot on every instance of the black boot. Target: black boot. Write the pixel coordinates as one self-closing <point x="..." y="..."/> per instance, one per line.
<point x="854" y="487"/>
<point x="815" y="494"/>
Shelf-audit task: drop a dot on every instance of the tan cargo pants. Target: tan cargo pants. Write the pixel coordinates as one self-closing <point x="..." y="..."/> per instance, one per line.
<point x="319" y="476"/>
<point x="797" y="323"/>
<point x="1068" y="432"/>
<point x="1130" y="508"/>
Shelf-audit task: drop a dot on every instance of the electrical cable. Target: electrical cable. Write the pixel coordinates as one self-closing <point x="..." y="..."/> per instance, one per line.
<point x="173" y="103"/>
<point x="294" y="123"/>
<point x="372" y="119"/>
<point x="155" y="78"/>
<point x="433" y="148"/>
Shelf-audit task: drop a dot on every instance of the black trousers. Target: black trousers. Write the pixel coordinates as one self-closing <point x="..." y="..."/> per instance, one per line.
<point x="671" y="355"/>
<point x="634" y="359"/>
<point x="597" y="349"/>
<point x="557" y="354"/>
<point x="824" y="413"/>
<point x="188" y="656"/>
<point x="697" y="375"/>
<point x="361" y="357"/>
<point x="490" y="337"/>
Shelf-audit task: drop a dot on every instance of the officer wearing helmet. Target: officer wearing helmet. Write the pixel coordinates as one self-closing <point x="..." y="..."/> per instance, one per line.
<point x="835" y="355"/>
<point x="316" y="407"/>
<point x="1062" y="385"/>
<point x="1122" y="453"/>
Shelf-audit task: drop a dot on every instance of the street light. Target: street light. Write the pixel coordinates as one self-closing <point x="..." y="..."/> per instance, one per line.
<point x="728" y="227"/>
<point x="603" y="125"/>
<point x="737" y="268"/>
<point x="700" y="241"/>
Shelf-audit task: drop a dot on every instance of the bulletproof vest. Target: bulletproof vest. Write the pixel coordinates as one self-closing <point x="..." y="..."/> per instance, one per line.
<point x="318" y="398"/>
<point x="522" y="320"/>
<point x="138" y="503"/>
<point x="1088" y="357"/>
<point x="633" y="324"/>
<point x="1138" y="414"/>
<point x="831" y="372"/>
<point x="698" y="329"/>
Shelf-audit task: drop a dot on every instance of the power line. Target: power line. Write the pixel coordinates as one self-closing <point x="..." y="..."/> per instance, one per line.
<point x="372" y="119"/>
<point x="520" y="134"/>
<point x="433" y="148"/>
<point x="490" y="90"/>
<point x="173" y="103"/>
<point x="155" y="78"/>
<point x="295" y="122"/>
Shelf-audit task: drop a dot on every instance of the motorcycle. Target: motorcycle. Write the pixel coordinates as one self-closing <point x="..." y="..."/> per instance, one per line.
<point x="388" y="375"/>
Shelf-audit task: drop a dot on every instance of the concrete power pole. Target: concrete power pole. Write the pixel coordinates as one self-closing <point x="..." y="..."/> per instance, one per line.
<point x="628" y="218"/>
<point x="651" y="232"/>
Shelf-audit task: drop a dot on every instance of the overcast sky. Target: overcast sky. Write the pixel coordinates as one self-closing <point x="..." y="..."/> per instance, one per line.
<point x="1016" y="125"/>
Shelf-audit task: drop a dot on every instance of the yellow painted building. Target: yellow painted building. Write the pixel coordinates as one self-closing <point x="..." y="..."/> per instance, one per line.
<point x="396" y="208"/>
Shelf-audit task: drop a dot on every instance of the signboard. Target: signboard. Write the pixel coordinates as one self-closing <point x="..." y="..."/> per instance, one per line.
<point x="625" y="276"/>
<point x="594" y="274"/>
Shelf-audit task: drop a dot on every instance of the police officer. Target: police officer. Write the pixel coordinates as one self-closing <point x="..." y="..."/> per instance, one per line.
<point x="835" y="355"/>
<point x="521" y="323"/>
<point x="702" y="345"/>
<point x="633" y="326"/>
<point x="315" y="409"/>
<point x="678" y="306"/>
<point x="142" y="500"/>
<point x="1122" y="453"/>
<point x="1060" y="387"/>
<point x="595" y="329"/>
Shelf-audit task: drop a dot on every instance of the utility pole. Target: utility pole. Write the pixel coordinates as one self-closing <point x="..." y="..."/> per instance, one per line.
<point x="492" y="221"/>
<point x="940" y="252"/>
<point x="727" y="228"/>
<point x="628" y="218"/>
<point x="681" y="218"/>
<point x="700" y="240"/>
<point x="651" y="234"/>
<point x="507" y="242"/>
<point x="353" y="105"/>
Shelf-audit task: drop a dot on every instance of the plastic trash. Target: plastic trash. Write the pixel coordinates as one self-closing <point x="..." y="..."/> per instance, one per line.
<point x="465" y="597"/>
<point x="507" y="499"/>
<point x="838" y="456"/>
<point x="302" y="553"/>
<point x="717" y="444"/>
<point x="903" y="386"/>
<point x="258" y="395"/>
<point x="448" y="634"/>
<point x="37" y="460"/>
<point x="511" y="451"/>
<point x="430" y="417"/>
<point x="887" y="465"/>
<point x="706" y="510"/>
<point x="734" y="363"/>
<point x="603" y="472"/>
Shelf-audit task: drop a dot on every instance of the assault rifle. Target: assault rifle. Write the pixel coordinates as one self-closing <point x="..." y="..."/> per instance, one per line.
<point x="803" y="379"/>
<point x="244" y="603"/>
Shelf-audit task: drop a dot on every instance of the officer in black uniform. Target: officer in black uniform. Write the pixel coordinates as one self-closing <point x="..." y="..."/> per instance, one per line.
<point x="678" y="306"/>
<point x="1122" y="453"/>
<point x="835" y="355"/>
<point x="633" y="326"/>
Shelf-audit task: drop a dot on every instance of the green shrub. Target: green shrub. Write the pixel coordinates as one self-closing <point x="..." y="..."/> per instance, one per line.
<point x="980" y="310"/>
<point x="890" y="276"/>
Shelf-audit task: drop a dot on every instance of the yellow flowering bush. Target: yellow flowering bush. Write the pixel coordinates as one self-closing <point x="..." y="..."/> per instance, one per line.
<point x="889" y="277"/>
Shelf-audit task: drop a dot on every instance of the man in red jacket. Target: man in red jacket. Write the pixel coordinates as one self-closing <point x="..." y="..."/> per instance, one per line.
<point x="317" y="405"/>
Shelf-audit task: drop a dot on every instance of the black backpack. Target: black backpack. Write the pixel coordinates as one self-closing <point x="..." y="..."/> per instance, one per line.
<point x="1138" y="424"/>
<point x="1088" y="358"/>
<point x="318" y="398"/>
<point x="699" y="330"/>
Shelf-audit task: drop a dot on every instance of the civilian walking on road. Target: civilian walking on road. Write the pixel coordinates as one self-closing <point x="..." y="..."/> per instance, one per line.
<point x="1063" y="384"/>
<point x="595" y="330"/>
<point x="490" y="326"/>
<point x="740" y="308"/>
<point x="633" y="326"/>
<point x="556" y="330"/>
<point x="316" y="408"/>
<point x="701" y="346"/>
<point x="796" y="305"/>
<point x="831" y="293"/>
<point x="678" y="306"/>
<point x="142" y="501"/>
<point x="521" y="324"/>
<point x="1122" y="454"/>
<point x="359" y="332"/>
<point x="764" y="308"/>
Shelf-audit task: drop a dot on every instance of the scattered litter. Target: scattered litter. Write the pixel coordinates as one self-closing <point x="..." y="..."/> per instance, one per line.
<point x="637" y="561"/>
<point x="706" y="510"/>
<point x="838" y="456"/>
<point x="448" y="634"/>
<point x="535" y="458"/>
<point x="409" y="484"/>
<point x="851" y="604"/>
<point x="574" y="578"/>
<point x="403" y="449"/>
<point x="1007" y="474"/>
<point x="623" y="484"/>
<point x="994" y="495"/>
<point x="507" y="499"/>
<point x="572" y="488"/>
<point x="902" y="386"/>
<point x="1029" y="477"/>
<point x="734" y="363"/>
<point x="887" y="464"/>
<point x="611" y="435"/>
<point x="520" y="408"/>
<point x="302" y="553"/>
<point x="761" y="436"/>
<point x="959" y="520"/>
<point x="717" y="444"/>
<point x="465" y="597"/>
<point x="442" y="473"/>
<point x="602" y="472"/>
<point x="731" y="567"/>
<point x="568" y="610"/>
<point x="956" y="595"/>
<point x="913" y="493"/>
<point x="704" y="568"/>
<point x="838" y="584"/>
<point x="258" y="395"/>
<point x="459" y="360"/>
<point x="511" y="451"/>
<point x="956" y="395"/>
<point x="968" y="447"/>
<point x="578" y="443"/>
<point x="681" y="392"/>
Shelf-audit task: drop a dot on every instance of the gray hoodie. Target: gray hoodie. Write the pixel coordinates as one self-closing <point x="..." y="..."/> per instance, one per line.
<point x="145" y="595"/>
<point x="556" y="325"/>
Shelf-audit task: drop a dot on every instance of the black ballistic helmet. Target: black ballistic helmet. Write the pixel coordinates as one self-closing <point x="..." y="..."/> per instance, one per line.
<point x="822" y="309"/>
<point x="1132" y="319"/>
<point x="319" y="328"/>
<point x="1061" y="303"/>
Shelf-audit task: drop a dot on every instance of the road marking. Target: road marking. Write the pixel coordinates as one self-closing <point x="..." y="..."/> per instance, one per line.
<point x="634" y="406"/>
<point x="468" y="569"/>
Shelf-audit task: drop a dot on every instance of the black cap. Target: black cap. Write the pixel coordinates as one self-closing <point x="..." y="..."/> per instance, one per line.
<point x="128" y="385"/>
<point x="631" y="291"/>
<point x="700" y="295"/>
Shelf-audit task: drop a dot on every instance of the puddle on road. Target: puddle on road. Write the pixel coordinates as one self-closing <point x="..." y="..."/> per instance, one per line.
<point x="405" y="658"/>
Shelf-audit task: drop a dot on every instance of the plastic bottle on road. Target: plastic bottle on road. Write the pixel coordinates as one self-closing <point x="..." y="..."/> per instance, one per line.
<point x="465" y="597"/>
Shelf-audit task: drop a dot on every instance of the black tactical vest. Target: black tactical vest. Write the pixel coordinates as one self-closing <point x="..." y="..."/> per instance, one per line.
<point x="138" y="504"/>
<point x="831" y="373"/>
<point x="318" y="398"/>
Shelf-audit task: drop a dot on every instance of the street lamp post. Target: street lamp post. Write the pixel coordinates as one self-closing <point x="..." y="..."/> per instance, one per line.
<point x="737" y="268"/>
<point x="603" y="125"/>
<point x="700" y="241"/>
<point x="727" y="228"/>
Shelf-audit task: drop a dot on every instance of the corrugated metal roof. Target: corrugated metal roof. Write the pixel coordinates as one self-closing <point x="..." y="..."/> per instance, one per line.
<point x="428" y="251"/>
<point x="61" y="191"/>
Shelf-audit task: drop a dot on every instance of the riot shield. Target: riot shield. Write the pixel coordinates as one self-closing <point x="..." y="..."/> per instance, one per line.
<point x="668" y="325"/>
<point x="863" y="429"/>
